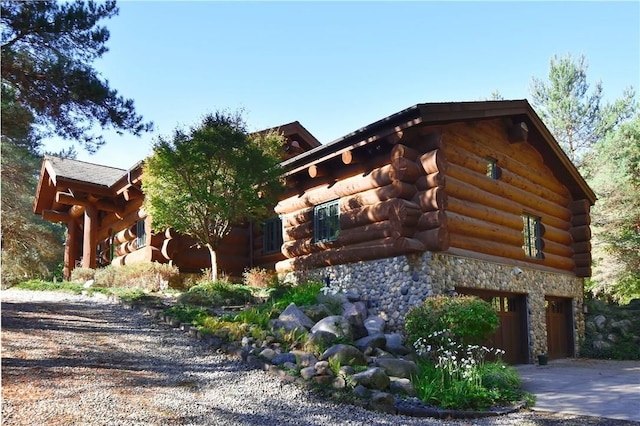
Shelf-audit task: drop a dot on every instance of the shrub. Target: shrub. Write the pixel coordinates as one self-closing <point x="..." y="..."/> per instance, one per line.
<point x="216" y="293"/>
<point x="82" y="275"/>
<point x="152" y="276"/>
<point x="302" y="295"/>
<point x="260" y="278"/>
<point x="467" y="319"/>
<point x="106" y="277"/>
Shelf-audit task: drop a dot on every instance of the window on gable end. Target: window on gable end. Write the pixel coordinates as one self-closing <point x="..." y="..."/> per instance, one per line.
<point x="326" y="221"/>
<point x="272" y="235"/>
<point x="493" y="171"/>
<point x="532" y="233"/>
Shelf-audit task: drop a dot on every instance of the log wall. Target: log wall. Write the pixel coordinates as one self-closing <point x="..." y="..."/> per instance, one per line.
<point x="484" y="215"/>
<point x="430" y="191"/>
<point x="378" y="212"/>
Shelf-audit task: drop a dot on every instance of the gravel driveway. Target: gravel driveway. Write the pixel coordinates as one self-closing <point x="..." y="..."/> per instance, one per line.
<point x="73" y="360"/>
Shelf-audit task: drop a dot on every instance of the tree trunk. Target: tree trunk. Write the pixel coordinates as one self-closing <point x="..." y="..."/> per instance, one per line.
<point x="214" y="263"/>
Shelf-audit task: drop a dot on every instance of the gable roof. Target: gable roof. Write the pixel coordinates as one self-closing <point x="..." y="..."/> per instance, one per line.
<point x="442" y="113"/>
<point x="75" y="170"/>
<point x="69" y="175"/>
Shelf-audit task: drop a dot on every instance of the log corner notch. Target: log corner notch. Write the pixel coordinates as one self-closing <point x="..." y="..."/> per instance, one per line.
<point x="581" y="235"/>
<point x="518" y="132"/>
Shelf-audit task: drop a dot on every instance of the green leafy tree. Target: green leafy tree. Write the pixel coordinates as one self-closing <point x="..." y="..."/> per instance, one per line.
<point x="612" y="169"/>
<point x="576" y="117"/>
<point x="202" y="181"/>
<point x="47" y="52"/>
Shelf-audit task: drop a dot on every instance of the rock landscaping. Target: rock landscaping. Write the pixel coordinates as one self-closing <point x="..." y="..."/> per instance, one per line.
<point x="351" y="356"/>
<point x="612" y="332"/>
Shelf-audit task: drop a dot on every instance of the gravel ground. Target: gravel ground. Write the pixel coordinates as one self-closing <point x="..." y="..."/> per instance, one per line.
<point x="73" y="360"/>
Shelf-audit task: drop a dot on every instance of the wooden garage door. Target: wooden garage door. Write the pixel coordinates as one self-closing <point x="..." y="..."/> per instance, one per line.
<point x="559" y="326"/>
<point x="511" y="334"/>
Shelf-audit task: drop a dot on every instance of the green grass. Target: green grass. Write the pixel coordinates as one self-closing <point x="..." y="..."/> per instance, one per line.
<point x="39" y="285"/>
<point x="131" y="295"/>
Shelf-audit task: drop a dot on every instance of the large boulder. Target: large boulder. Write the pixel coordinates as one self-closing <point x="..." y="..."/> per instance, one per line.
<point x="344" y="355"/>
<point x="293" y="314"/>
<point x="336" y="325"/>
<point x="304" y="359"/>
<point x="355" y="318"/>
<point x="317" y="312"/>
<point x="383" y="402"/>
<point x="369" y="343"/>
<point x="374" y="325"/>
<point x="600" y="321"/>
<point x="373" y="378"/>
<point x="395" y="344"/>
<point x="319" y="341"/>
<point x="284" y="358"/>
<point x="402" y="386"/>
<point x="398" y="367"/>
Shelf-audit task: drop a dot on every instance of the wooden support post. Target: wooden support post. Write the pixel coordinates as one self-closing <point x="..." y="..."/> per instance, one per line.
<point x="89" y="239"/>
<point x="70" y="249"/>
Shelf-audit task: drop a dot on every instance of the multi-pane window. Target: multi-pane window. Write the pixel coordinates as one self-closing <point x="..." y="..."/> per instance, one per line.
<point x="532" y="232"/>
<point x="492" y="168"/>
<point x="141" y="234"/>
<point x="326" y="221"/>
<point x="272" y="235"/>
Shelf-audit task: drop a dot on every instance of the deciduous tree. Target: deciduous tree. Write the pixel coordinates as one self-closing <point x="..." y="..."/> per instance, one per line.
<point x="202" y="181"/>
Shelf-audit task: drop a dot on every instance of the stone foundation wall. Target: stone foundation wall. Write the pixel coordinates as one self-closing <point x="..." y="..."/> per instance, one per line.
<point x="391" y="286"/>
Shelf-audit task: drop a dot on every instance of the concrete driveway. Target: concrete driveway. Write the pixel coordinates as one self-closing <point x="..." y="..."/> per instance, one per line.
<point x="587" y="387"/>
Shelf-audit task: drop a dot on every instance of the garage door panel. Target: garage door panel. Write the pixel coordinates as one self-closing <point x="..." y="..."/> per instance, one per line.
<point x="511" y="334"/>
<point x="559" y="325"/>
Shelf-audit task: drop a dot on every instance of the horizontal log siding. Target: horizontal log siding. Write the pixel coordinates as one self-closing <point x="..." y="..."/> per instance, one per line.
<point x="484" y="215"/>
<point x="377" y="215"/>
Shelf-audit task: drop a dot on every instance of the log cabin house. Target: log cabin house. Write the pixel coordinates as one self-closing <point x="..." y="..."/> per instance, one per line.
<point x="440" y="198"/>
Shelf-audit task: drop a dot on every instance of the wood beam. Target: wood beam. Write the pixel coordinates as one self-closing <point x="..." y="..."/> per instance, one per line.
<point x="132" y="193"/>
<point x="315" y="171"/>
<point x="518" y="132"/>
<point x="55" y="216"/>
<point x="70" y="200"/>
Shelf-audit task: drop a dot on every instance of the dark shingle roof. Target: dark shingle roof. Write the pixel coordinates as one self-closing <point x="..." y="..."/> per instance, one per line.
<point x="85" y="172"/>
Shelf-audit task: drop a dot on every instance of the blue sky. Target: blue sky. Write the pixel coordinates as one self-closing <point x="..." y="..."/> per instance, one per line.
<point x="338" y="66"/>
